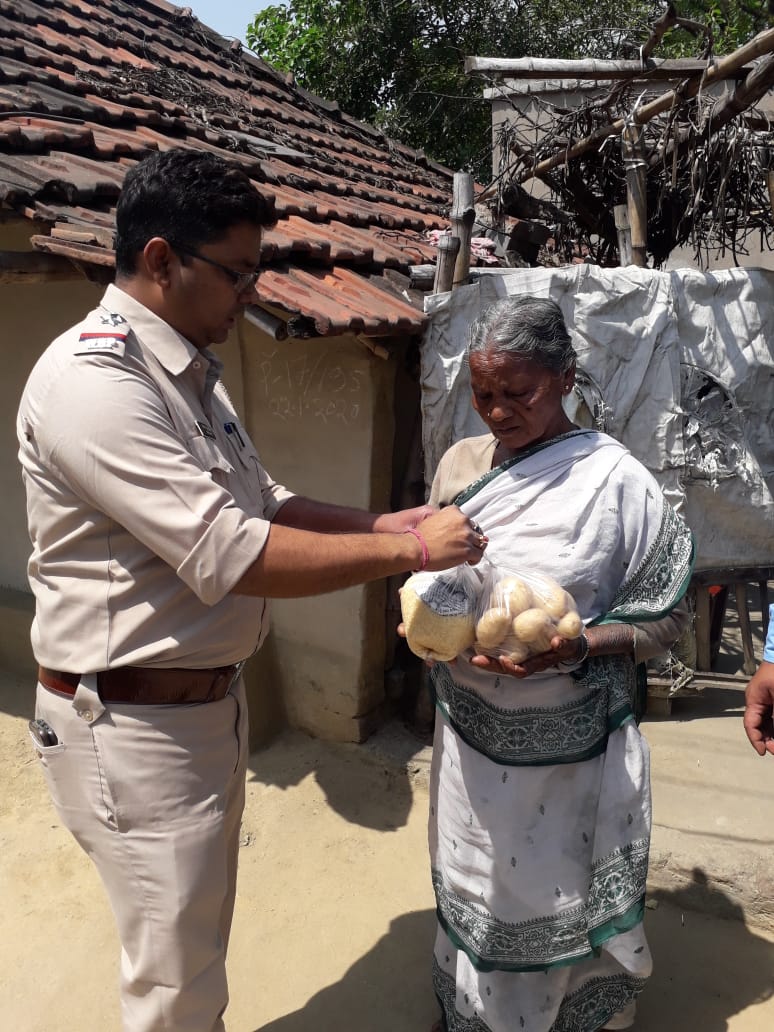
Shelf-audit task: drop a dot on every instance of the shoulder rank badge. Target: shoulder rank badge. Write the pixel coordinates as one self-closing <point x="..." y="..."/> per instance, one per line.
<point x="112" y="319"/>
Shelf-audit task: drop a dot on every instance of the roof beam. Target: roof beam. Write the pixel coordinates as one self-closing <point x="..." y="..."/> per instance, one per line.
<point x="547" y="68"/>
<point x="33" y="267"/>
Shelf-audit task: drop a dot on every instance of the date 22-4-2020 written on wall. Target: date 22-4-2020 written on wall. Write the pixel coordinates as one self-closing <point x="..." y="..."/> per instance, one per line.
<point x="316" y="386"/>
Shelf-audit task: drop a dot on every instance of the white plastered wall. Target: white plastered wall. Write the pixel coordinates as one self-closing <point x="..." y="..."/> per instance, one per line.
<point x="320" y="413"/>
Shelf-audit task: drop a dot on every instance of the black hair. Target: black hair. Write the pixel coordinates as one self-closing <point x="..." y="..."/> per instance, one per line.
<point x="189" y="198"/>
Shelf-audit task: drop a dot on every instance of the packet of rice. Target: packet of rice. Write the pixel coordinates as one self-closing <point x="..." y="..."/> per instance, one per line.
<point x="439" y="612"/>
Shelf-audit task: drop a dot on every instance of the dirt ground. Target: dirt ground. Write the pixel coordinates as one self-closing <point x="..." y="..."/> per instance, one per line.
<point x="334" y="919"/>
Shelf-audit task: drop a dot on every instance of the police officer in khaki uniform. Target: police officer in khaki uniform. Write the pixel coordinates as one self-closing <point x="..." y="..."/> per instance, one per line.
<point x="157" y="539"/>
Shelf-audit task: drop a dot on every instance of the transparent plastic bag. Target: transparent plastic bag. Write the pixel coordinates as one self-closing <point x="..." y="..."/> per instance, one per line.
<point x="439" y="612"/>
<point x="519" y="612"/>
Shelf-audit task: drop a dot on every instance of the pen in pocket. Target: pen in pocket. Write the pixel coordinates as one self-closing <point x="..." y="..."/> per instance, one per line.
<point x="232" y="429"/>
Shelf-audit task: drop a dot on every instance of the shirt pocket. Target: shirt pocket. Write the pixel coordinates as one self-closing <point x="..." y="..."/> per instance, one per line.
<point x="210" y="457"/>
<point x="242" y="448"/>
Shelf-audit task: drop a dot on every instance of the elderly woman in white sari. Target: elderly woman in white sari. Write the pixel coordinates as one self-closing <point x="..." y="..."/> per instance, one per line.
<point x="540" y="796"/>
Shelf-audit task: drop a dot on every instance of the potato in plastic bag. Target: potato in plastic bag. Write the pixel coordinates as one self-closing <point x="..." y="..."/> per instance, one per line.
<point x="520" y="612"/>
<point x="439" y="612"/>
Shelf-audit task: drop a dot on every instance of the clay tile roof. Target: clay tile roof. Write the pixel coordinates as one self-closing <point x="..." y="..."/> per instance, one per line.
<point x="89" y="87"/>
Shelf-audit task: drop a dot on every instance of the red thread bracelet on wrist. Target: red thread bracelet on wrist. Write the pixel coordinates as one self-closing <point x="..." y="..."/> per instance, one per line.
<point x="423" y="543"/>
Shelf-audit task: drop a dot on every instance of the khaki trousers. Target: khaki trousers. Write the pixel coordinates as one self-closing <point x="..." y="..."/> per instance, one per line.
<point x="154" y="795"/>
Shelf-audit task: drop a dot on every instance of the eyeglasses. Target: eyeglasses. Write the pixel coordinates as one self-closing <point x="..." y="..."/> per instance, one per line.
<point x="241" y="281"/>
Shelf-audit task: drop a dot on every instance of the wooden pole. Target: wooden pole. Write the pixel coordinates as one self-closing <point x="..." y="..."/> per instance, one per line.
<point x="463" y="215"/>
<point x="598" y="70"/>
<point x="633" y="151"/>
<point x="621" y="213"/>
<point x="448" y="246"/>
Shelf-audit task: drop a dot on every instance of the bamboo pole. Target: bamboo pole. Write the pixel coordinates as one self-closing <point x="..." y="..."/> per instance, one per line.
<point x="547" y="68"/>
<point x="448" y="246"/>
<point x="621" y="213"/>
<point x="762" y="45"/>
<point x="463" y="215"/>
<point x="756" y="85"/>
<point x="633" y="152"/>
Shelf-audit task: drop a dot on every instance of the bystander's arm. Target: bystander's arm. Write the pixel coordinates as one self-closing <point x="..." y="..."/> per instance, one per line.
<point x="759" y="699"/>
<point x="759" y="708"/>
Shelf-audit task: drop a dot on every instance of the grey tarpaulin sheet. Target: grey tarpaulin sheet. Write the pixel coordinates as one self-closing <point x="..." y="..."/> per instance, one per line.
<point x="678" y="366"/>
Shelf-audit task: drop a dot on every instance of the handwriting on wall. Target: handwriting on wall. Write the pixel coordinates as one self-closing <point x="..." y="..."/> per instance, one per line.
<point x="315" y="386"/>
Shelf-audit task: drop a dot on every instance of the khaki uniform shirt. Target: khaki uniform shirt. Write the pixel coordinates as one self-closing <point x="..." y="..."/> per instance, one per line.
<point x="146" y="499"/>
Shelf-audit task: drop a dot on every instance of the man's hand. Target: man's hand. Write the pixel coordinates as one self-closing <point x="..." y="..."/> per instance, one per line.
<point x="406" y="519"/>
<point x="451" y="538"/>
<point x="758" y="710"/>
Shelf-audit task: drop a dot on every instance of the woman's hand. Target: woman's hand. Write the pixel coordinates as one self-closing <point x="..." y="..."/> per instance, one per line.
<point x="400" y="630"/>
<point x="405" y="519"/>
<point x="563" y="650"/>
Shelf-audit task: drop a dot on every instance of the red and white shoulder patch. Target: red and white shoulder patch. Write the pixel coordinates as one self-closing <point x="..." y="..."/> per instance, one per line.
<point x="102" y="333"/>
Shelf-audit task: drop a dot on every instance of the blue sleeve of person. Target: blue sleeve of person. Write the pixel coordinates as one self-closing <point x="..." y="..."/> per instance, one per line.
<point x="768" y="650"/>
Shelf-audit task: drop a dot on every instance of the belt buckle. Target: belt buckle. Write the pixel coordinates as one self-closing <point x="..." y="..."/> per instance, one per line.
<point x="238" y="668"/>
<point x="224" y="679"/>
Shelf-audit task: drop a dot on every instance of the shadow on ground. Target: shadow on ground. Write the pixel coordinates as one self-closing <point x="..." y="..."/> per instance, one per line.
<point x="380" y="992"/>
<point x="383" y="804"/>
<point x="706" y="968"/>
<point x="709" y="702"/>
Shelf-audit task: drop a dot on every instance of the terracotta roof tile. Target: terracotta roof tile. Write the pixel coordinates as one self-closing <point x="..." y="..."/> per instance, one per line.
<point x="339" y="300"/>
<point x="88" y="87"/>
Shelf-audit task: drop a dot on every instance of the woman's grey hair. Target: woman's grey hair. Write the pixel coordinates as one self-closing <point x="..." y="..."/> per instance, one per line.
<point x="527" y="327"/>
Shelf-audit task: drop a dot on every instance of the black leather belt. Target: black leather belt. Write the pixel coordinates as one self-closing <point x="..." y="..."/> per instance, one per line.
<point x="149" y="685"/>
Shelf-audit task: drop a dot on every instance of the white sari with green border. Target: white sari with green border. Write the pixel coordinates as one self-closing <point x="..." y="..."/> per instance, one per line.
<point x="540" y="793"/>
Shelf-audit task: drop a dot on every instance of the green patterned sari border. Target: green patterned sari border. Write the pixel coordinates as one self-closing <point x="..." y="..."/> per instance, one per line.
<point x="597" y="938"/>
<point x="617" y="925"/>
<point x="597" y="749"/>
<point x="488" y="966"/>
<point x="590" y="1006"/>
<point x="541" y="736"/>
<point x="661" y="579"/>
<point x="615" y="902"/>
<point x="595" y="1002"/>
